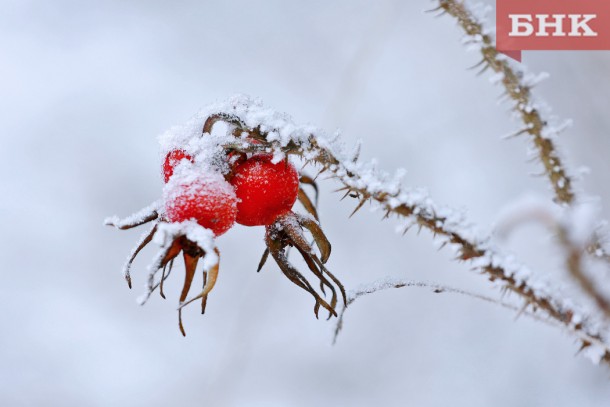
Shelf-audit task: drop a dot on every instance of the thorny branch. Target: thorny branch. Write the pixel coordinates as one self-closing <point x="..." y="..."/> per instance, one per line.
<point x="512" y="80"/>
<point x="535" y="125"/>
<point x="367" y="186"/>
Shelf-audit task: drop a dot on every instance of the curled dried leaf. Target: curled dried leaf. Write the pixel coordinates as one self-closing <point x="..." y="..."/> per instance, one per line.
<point x="319" y="237"/>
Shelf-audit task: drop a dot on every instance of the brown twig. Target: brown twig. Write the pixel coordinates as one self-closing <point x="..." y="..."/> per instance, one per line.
<point x="535" y="125"/>
<point x="512" y="80"/>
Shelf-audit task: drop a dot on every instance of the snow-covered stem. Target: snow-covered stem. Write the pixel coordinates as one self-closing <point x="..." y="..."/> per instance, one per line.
<point x="389" y="283"/>
<point x="484" y="258"/>
<point x="520" y="92"/>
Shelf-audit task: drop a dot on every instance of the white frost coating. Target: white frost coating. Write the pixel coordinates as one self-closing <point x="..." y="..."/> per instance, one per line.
<point x="137" y="217"/>
<point x="198" y="184"/>
<point x="208" y="150"/>
<point x="594" y="353"/>
<point x="165" y="235"/>
<point x="552" y="130"/>
<point x="204" y="238"/>
<point x="377" y="285"/>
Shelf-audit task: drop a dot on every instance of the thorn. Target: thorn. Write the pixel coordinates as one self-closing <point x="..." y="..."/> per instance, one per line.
<point x="433" y="10"/>
<point x="128" y="278"/>
<point x="504" y="96"/>
<point x="342" y="189"/>
<point x="180" y="322"/>
<point x="357" y="152"/>
<point x="584" y="345"/>
<point x="161" y="293"/>
<point x="522" y="310"/>
<point x="515" y="134"/>
<point x="319" y="172"/>
<point x="478" y="64"/>
<point x="346" y="194"/>
<point x="362" y="202"/>
<point x="485" y="68"/>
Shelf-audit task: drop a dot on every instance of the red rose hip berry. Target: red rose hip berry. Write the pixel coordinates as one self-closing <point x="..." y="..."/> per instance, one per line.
<point x="172" y="159"/>
<point x="264" y="190"/>
<point x="209" y="200"/>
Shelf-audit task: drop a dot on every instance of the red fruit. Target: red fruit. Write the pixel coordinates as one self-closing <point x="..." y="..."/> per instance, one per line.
<point x="209" y="200"/>
<point x="265" y="190"/>
<point x="171" y="161"/>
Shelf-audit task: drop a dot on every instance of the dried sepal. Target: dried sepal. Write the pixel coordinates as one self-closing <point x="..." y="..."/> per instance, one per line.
<point x="277" y="252"/>
<point x="145" y="215"/>
<point x="211" y="276"/>
<point x="174" y="239"/>
<point x="307" y="180"/>
<point x="204" y="299"/>
<point x="318" y="235"/>
<point x="311" y="207"/>
<point x="263" y="260"/>
<point x="307" y="204"/>
<point x="146" y="239"/>
<point x="287" y="232"/>
<point x="167" y="270"/>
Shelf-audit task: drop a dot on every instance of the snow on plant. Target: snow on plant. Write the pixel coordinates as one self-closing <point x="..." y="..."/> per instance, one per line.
<point x="242" y="172"/>
<point x="214" y="179"/>
<point x="255" y="137"/>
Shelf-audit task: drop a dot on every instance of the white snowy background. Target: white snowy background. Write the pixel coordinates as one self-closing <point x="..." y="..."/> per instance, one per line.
<point x="85" y="89"/>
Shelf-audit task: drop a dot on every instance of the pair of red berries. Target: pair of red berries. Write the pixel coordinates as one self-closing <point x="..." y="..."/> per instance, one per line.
<point x="256" y="193"/>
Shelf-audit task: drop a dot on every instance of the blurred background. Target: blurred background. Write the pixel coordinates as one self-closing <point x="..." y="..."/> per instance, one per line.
<point x="87" y="87"/>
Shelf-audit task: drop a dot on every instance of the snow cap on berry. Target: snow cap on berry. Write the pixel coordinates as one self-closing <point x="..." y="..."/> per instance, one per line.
<point x="205" y="197"/>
